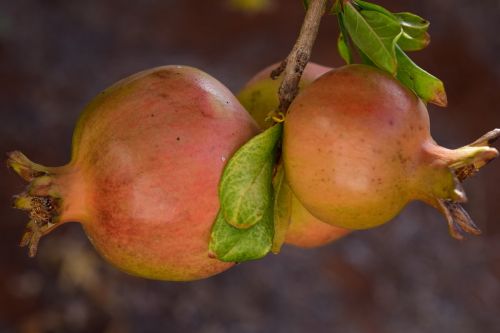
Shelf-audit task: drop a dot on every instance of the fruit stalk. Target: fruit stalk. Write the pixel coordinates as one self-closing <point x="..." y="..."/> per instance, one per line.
<point x="293" y="66"/>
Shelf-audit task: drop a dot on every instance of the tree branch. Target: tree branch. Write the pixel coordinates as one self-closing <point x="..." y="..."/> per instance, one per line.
<point x="294" y="64"/>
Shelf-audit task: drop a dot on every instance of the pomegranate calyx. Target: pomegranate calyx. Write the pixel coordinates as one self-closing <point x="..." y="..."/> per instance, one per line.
<point x="465" y="171"/>
<point x="26" y="169"/>
<point x="44" y="216"/>
<point x="38" y="200"/>
<point x="469" y="160"/>
<point x="459" y="221"/>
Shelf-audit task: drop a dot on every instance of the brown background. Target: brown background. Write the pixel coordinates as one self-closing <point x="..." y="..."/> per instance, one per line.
<point x="407" y="276"/>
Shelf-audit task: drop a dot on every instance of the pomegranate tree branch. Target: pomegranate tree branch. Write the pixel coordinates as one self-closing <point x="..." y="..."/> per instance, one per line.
<point x="294" y="64"/>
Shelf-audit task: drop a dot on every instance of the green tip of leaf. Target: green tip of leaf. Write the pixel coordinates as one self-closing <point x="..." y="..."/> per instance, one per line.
<point x="428" y="87"/>
<point x="231" y="244"/>
<point x="409" y="43"/>
<point x="343" y="49"/>
<point x="439" y="98"/>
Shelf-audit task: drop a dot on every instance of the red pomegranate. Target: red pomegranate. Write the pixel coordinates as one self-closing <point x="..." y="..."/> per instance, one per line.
<point x="148" y="153"/>
<point x="357" y="149"/>
<point x="260" y="97"/>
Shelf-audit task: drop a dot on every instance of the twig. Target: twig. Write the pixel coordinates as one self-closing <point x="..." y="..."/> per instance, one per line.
<point x="294" y="64"/>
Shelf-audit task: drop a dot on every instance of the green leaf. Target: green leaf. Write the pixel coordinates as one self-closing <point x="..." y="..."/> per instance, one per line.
<point x="282" y="209"/>
<point x="238" y="245"/>
<point x="414" y="43"/>
<point x="343" y="49"/>
<point x="364" y="59"/>
<point x="245" y="190"/>
<point x="306" y="3"/>
<point x="426" y="86"/>
<point x="375" y="34"/>
<point x="343" y="42"/>
<point x="415" y="36"/>
<point x="412" y="23"/>
<point x="365" y="5"/>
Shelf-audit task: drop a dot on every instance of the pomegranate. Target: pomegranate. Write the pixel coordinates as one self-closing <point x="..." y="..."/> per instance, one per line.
<point x="357" y="149"/>
<point x="260" y="97"/>
<point x="147" y="157"/>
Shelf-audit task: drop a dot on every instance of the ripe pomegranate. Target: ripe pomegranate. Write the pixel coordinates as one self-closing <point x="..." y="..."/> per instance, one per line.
<point x="357" y="149"/>
<point x="259" y="97"/>
<point x="147" y="156"/>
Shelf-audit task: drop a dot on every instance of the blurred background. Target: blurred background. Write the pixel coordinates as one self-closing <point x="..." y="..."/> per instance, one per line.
<point x="407" y="276"/>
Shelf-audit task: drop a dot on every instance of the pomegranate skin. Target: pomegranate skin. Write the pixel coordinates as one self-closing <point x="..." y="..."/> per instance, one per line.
<point x="260" y="96"/>
<point x="357" y="149"/>
<point x="307" y="231"/>
<point x="148" y="154"/>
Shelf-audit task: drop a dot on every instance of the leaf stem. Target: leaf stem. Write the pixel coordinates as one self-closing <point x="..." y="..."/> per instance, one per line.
<point x="293" y="66"/>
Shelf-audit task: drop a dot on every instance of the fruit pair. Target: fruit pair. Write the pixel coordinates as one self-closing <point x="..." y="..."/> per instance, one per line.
<point x="147" y="157"/>
<point x="148" y="154"/>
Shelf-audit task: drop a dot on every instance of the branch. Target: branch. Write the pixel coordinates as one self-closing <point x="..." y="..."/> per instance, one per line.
<point x="294" y="64"/>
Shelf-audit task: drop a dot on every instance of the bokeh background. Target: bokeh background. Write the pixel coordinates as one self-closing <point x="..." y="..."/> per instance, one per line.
<point x="407" y="276"/>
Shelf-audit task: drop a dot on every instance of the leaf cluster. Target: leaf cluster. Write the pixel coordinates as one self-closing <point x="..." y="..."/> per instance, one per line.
<point x="382" y="38"/>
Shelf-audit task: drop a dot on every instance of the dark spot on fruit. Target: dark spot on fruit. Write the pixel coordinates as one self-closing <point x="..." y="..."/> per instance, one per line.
<point x="178" y="139"/>
<point x="163" y="95"/>
<point x="391" y="122"/>
<point x="161" y="74"/>
<point x="152" y="115"/>
<point x="401" y="158"/>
